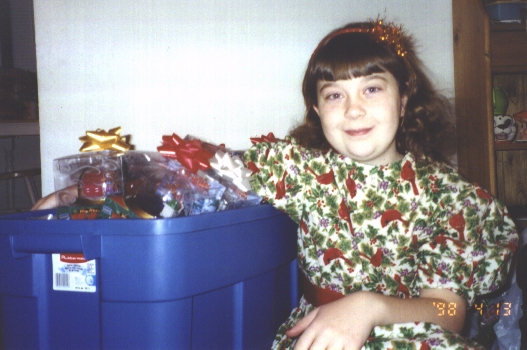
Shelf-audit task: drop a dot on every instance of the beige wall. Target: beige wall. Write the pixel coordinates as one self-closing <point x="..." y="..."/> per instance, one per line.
<point x="220" y="70"/>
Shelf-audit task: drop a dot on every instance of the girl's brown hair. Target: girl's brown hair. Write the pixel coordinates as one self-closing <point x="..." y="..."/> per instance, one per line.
<point x="425" y="128"/>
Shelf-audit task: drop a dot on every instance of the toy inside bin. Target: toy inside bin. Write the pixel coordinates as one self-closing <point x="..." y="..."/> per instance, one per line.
<point x="224" y="280"/>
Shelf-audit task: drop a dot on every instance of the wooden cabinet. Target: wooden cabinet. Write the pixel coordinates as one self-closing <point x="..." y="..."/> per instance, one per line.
<point x="485" y="56"/>
<point x="508" y="45"/>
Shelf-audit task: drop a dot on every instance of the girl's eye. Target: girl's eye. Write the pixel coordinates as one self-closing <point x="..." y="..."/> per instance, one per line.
<point x="372" y="89"/>
<point x="333" y="96"/>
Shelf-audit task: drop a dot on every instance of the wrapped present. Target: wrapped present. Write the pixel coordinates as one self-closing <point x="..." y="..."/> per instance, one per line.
<point x="233" y="198"/>
<point x="151" y="184"/>
<point x="223" y="173"/>
<point x="114" y="207"/>
<point x="162" y="187"/>
<point x="97" y="171"/>
<point x="96" y="174"/>
<point x="79" y="212"/>
<point x="206" y="194"/>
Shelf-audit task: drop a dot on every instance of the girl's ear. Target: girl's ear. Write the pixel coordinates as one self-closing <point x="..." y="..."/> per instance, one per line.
<point x="404" y="100"/>
<point x="316" y="110"/>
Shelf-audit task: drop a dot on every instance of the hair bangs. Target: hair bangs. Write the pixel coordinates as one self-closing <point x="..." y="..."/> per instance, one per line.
<point x="334" y="70"/>
<point x="351" y="56"/>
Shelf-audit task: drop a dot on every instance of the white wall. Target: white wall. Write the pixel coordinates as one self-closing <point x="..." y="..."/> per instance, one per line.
<point x="221" y="70"/>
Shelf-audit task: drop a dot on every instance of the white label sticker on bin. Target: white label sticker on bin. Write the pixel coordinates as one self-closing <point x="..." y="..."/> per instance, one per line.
<point x="73" y="273"/>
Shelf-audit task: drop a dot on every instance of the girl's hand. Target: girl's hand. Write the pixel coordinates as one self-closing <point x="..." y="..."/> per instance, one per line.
<point x="342" y="324"/>
<point x="67" y="196"/>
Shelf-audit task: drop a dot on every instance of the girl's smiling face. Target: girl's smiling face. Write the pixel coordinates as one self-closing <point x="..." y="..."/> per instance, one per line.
<point x="360" y="116"/>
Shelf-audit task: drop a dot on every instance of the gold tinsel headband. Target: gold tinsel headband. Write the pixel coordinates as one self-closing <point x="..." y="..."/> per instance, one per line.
<point x="388" y="34"/>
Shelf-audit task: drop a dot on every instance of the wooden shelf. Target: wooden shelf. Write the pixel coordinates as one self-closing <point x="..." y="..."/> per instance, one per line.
<point x="507" y="27"/>
<point x="508" y="52"/>
<point x="510" y="146"/>
<point x="19" y="128"/>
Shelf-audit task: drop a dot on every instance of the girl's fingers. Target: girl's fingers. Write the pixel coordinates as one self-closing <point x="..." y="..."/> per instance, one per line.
<point x="305" y="342"/>
<point x="301" y="325"/>
<point x="313" y="340"/>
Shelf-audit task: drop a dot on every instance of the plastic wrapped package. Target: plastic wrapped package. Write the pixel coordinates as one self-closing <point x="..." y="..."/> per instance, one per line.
<point x="160" y="187"/>
<point x="205" y="194"/>
<point x="187" y="177"/>
<point x="154" y="185"/>
<point x="233" y="198"/>
<point x="96" y="174"/>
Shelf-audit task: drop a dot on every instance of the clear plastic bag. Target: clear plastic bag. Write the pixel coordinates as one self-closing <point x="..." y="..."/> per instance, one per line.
<point x="507" y="329"/>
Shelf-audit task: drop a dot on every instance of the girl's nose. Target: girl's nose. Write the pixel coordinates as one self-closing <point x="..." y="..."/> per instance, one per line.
<point x="355" y="109"/>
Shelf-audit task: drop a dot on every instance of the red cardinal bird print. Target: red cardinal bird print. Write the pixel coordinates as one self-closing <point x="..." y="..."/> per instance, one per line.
<point x="424" y="346"/>
<point x="484" y="195"/>
<point x="344" y="214"/>
<point x="280" y="187"/>
<point x="457" y="222"/>
<point x="391" y="215"/>
<point x="303" y="226"/>
<point x="408" y="174"/>
<point x="401" y="288"/>
<point x="471" y="277"/>
<point x="376" y="259"/>
<point x="415" y="241"/>
<point x="351" y="186"/>
<point x="324" y="179"/>
<point x="252" y="167"/>
<point x="441" y="239"/>
<point x="335" y="253"/>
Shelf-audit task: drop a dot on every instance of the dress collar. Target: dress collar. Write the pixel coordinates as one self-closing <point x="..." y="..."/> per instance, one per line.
<point x="336" y="158"/>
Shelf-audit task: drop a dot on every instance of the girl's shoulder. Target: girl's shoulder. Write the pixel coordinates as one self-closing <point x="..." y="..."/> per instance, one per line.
<point x="425" y="167"/>
<point x="282" y="150"/>
<point x="447" y="186"/>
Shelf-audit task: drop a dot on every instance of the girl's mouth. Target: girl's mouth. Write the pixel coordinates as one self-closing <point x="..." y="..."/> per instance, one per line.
<point x="358" y="132"/>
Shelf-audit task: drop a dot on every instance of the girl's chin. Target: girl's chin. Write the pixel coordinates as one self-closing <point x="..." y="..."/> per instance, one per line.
<point x="361" y="157"/>
<point x="369" y="157"/>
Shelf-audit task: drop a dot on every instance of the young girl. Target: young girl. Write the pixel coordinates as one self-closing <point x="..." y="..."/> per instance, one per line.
<point x="393" y="244"/>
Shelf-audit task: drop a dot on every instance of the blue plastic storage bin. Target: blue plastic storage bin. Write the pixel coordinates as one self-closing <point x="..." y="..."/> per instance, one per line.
<point x="224" y="280"/>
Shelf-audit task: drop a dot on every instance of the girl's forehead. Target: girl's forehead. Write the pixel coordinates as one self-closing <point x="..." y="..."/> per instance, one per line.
<point x="386" y="76"/>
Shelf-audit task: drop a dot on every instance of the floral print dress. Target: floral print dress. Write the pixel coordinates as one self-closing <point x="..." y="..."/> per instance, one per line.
<point x="392" y="229"/>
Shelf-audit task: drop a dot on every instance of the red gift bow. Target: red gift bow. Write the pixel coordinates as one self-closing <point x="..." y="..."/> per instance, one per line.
<point x="190" y="153"/>
<point x="269" y="138"/>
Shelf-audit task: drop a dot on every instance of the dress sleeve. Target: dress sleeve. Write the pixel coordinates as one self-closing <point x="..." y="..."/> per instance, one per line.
<point x="276" y="177"/>
<point x="466" y="245"/>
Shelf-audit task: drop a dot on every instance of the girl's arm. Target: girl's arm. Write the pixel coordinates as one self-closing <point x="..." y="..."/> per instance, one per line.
<point x="347" y="322"/>
<point x="66" y="196"/>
